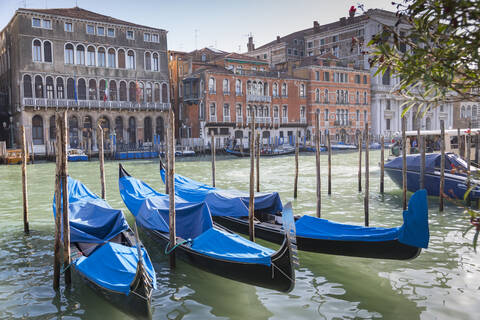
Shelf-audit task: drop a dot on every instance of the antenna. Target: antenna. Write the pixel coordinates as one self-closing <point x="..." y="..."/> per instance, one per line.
<point x="196" y="38"/>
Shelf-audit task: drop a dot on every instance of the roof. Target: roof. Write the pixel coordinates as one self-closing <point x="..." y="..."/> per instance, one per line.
<point x="238" y="56"/>
<point x="79" y="13"/>
<point x="286" y="38"/>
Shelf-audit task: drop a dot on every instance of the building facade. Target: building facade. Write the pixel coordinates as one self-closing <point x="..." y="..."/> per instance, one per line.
<point x="102" y="70"/>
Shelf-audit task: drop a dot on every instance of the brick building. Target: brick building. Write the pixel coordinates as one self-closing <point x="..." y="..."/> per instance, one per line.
<point x="101" y="69"/>
<point x="218" y="95"/>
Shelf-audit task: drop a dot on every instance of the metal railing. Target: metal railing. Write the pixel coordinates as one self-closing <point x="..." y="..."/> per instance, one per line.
<point x="226" y="118"/>
<point x="303" y="120"/>
<point x="213" y="118"/>
<point x="256" y="98"/>
<point x="95" y="104"/>
<point x="261" y="120"/>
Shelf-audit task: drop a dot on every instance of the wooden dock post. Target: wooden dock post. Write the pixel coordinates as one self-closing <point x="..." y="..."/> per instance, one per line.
<point x="329" y="145"/>
<point x="367" y="172"/>
<point x="102" y="160"/>
<point x="421" y="151"/>
<point x="257" y="143"/>
<point x="317" y="162"/>
<point x="360" y="162"/>
<point x="251" y="203"/>
<point x="213" y="152"/>
<point x="295" y="182"/>
<point x="32" y="154"/>
<point x="26" y="228"/>
<point x="476" y="148"/>
<point x="171" y="187"/>
<point x="382" y="165"/>
<point x="460" y="144"/>
<point x="442" y="165"/>
<point x="468" y="158"/>
<point x="65" y="213"/>
<point x="58" y="202"/>
<point x="404" y="164"/>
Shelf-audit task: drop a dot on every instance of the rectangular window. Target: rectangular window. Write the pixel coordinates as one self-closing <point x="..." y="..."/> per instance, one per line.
<point x="130" y="35"/>
<point x="335" y="51"/>
<point x="309" y="44"/>
<point x="289" y="51"/>
<point x="101" y="31"/>
<point x="111" y="32"/>
<point x="357" y="78"/>
<point x="146" y="37"/>
<point x="317" y="75"/>
<point x="36" y="23"/>
<point x="90" y="29"/>
<point x="365" y="79"/>
<point x="155" y="38"/>
<point x="388" y="124"/>
<point x="264" y="56"/>
<point x="68" y="27"/>
<point x="47" y="24"/>
<point x="295" y="52"/>
<point x="335" y="38"/>
<point x="326" y="76"/>
<point x="322" y="42"/>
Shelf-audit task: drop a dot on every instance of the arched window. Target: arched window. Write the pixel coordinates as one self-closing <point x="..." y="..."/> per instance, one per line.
<point x="302" y="90"/>
<point x="92" y="89"/>
<point x="275" y="112"/>
<point x="70" y="89"/>
<point x="317" y="95"/>
<point x="90" y="56"/>
<point x="164" y="93"/>
<point x="365" y="97"/>
<point x="111" y="58"/>
<point x="148" y="92"/>
<point x="249" y="87"/>
<point x="27" y="86"/>
<point x="132" y="92"/>
<point x="132" y="131"/>
<point x="37" y="50"/>
<point x="47" y="51"/>
<point x="37" y="130"/>
<point x="284" y="90"/>
<point x="157" y="92"/>
<point x="102" y="94"/>
<point x="87" y="126"/>
<point x="159" y="127"/>
<point x="226" y="87"/>
<point x="239" y="112"/>
<point x="51" y="128"/>
<point x="156" y="65"/>
<point x="130" y="59"/>
<point x="357" y="98"/>
<point x="326" y="96"/>
<point x="147" y="128"/>
<point x="60" y="89"/>
<point x="148" y="61"/>
<point x="80" y="54"/>
<point x="238" y="86"/>
<point x="38" y="87"/>
<point x="121" y="58"/>
<point x="123" y="91"/>
<point x="101" y="57"/>
<point x="73" y="131"/>
<point x="211" y="85"/>
<point x="140" y="92"/>
<point x="112" y="90"/>
<point x="69" y="53"/>
<point x="265" y="89"/>
<point x="275" y="89"/>
<point x="428" y="123"/>
<point x="82" y="89"/>
<point x="462" y="112"/>
<point x="119" y="129"/>
<point x="50" y="88"/>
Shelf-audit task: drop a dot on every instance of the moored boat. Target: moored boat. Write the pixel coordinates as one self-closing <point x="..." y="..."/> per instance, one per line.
<point x="203" y="244"/>
<point x="105" y="253"/>
<point x="313" y="234"/>
<point x="76" y="155"/>
<point x="455" y="174"/>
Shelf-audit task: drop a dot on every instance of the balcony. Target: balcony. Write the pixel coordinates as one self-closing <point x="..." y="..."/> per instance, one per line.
<point x="239" y="119"/>
<point x="190" y="97"/>
<point x="338" y="123"/>
<point x="284" y="119"/>
<point x="255" y="98"/>
<point x="239" y="93"/>
<point x="303" y="120"/>
<point x="94" y="104"/>
<point x="260" y="120"/>
<point x="213" y="118"/>
<point x="226" y="118"/>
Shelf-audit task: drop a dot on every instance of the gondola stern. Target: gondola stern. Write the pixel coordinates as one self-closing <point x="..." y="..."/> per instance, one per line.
<point x="141" y="290"/>
<point x="122" y="172"/>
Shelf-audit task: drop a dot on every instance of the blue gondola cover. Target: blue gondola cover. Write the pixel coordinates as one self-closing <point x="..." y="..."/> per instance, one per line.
<point x="432" y="162"/>
<point x="92" y="219"/>
<point x="113" y="266"/>
<point x="224" y="202"/>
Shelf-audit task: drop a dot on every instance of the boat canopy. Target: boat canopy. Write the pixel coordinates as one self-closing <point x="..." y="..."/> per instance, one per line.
<point x="414" y="230"/>
<point x="120" y="261"/>
<point x="222" y="202"/>
<point x="92" y="219"/>
<point x="432" y="162"/>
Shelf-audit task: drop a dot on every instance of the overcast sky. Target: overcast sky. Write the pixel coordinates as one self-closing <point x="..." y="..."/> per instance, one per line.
<point x="224" y="24"/>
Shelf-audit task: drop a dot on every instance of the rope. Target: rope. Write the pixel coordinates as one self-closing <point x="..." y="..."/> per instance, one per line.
<point x="273" y="264"/>
<point x="168" y="251"/>
<point x="73" y="259"/>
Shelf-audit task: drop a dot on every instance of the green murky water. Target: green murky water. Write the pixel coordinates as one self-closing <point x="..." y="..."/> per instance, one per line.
<point x="443" y="283"/>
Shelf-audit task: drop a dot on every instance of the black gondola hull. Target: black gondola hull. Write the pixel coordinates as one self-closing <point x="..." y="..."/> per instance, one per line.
<point x="392" y="249"/>
<point x="278" y="276"/>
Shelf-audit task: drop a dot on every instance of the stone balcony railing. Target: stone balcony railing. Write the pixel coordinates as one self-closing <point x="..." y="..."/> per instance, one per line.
<point x="261" y="120"/>
<point x="93" y="104"/>
<point x="255" y="98"/>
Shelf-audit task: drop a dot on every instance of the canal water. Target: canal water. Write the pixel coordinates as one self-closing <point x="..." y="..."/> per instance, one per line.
<point x="442" y="283"/>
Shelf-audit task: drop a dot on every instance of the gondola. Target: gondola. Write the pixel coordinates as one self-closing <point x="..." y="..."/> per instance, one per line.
<point x="203" y="244"/>
<point x="105" y="252"/>
<point x="313" y="234"/>
<point x="455" y="175"/>
<point x="265" y="152"/>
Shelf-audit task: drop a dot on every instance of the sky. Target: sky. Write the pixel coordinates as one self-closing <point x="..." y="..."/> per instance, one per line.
<point x="223" y="24"/>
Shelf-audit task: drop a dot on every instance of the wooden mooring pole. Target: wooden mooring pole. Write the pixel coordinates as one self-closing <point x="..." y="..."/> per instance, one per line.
<point x="102" y="160"/>
<point x="329" y="145"/>
<point x="360" y="163"/>
<point x="442" y="165"/>
<point x="382" y="165"/>
<point x="367" y="172"/>
<point x="257" y="180"/>
<point x="468" y="158"/>
<point x="171" y="173"/>
<point x="213" y="151"/>
<point x="65" y="213"/>
<point x="421" y="151"/>
<point x="404" y="164"/>
<point x="26" y="227"/>
<point x="251" y="204"/>
<point x="295" y="182"/>
<point x="317" y="164"/>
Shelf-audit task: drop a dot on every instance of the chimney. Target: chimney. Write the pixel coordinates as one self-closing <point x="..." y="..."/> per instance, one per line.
<point x="250" y="45"/>
<point x="316" y="26"/>
<point x="278" y="39"/>
<point x="343" y="21"/>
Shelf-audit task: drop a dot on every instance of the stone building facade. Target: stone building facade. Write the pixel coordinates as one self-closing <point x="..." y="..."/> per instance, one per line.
<point x="102" y="70"/>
